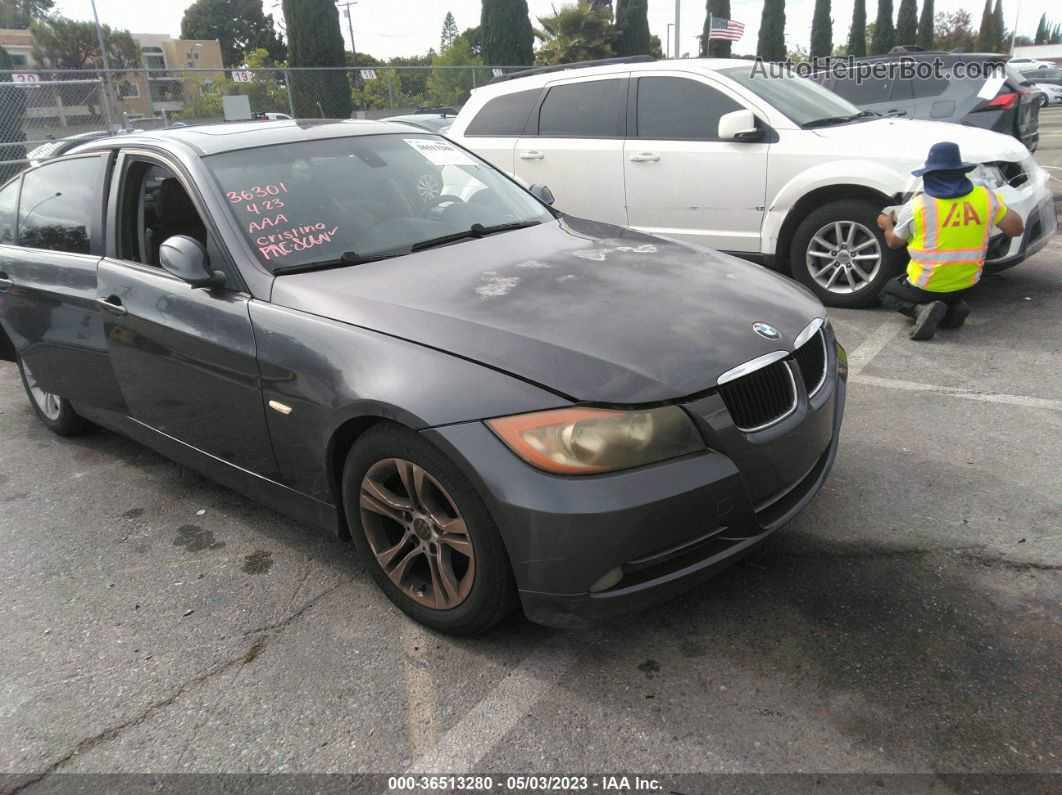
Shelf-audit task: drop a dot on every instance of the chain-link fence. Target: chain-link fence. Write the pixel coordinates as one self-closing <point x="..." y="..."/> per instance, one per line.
<point x="41" y="106"/>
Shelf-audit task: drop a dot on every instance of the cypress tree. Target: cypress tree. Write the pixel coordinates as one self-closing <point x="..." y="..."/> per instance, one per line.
<point x="907" y="22"/>
<point x="12" y="108"/>
<point x="925" y="26"/>
<point x="884" y="32"/>
<point x="1041" y="30"/>
<point x="632" y="25"/>
<point x="821" y="30"/>
<point x="984" y="33"/>
<point x="314" y="39"/>
<point x="857" y="35"/>
<point x="716" y="48"/>
<point x="505" y="33"/>
<point x="999" y="29"/>
<point x="771" y="45"/>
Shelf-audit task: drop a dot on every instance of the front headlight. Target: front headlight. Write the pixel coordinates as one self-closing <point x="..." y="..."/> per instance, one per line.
<point x="584" y="440"/>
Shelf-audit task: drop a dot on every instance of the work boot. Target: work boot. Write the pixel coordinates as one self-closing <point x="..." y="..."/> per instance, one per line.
<point x="956" y="316"/>
<point x="927" y="318"/>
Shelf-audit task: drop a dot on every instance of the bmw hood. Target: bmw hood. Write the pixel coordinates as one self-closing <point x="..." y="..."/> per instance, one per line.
<point x="590" y="311"/>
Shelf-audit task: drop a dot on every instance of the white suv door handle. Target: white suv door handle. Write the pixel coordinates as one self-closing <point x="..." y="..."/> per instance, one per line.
<point x="645" y="157"/>
<point x="531" y="155"/>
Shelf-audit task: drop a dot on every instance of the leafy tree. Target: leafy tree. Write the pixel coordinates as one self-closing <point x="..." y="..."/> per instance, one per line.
<point x="925" y="26"/>
<point x="452" y="86"/>
<point x="954" y="30"/>
<point x="314" y="40"/>
<point x="449" y="31"/>
<point x="12" y="109"/>
<point x="60" y="43"/>
<point x="715" y="48"/>
<point x="239" y="26"/>
<point x="577" y="32"/>
<point x="21" y="14"/>
<point x="506" y="35"/>
<point x="822" y="30"/>
<point x="474" y="39"/>
<point x="656" y="49"/>
<point x="907" y="22"/>
<point x="771" y="44"/>
<point x="632" y="27"/>
<point x="1041" y="29"/>
<point x="884" y="33"/>
<point x="1048" y="32"/>
<point x="857" y="34"/>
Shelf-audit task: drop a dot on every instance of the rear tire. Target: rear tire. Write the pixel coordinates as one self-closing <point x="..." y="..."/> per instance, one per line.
<point x="839" y="252"/>
<point x="426" y="536"/>
<point x="53" y="410"/>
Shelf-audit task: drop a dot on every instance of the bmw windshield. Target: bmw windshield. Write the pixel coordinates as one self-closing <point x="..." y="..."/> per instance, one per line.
<point x="803" y="101"/>
<point x="341" y="201"/>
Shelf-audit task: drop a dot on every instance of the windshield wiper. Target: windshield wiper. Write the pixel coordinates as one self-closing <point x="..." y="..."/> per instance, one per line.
<point x="829" y="120"/>
<point x="476" y="230"/>
<point x="345" y="259"/>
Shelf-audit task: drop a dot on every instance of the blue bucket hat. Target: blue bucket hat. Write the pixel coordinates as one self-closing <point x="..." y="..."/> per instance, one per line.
<point x="944" y="156"/>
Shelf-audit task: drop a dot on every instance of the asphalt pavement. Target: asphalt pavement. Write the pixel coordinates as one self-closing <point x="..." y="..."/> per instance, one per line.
<point x="907" y="622"/>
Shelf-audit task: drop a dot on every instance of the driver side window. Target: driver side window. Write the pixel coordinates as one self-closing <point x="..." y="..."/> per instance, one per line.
<point x="155" y="206"/>
<point x="677" y="109"/>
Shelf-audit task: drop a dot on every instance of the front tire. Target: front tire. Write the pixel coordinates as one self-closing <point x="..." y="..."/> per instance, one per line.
<point x="839" y="252"/>
<point x="53" y="410"/>
<point x="425" y="534"/>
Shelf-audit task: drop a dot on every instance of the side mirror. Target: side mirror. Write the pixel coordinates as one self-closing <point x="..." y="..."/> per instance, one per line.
<point x="543" y="194"/>
<point x="185" y="258"/>
<point x="739" y="125"/>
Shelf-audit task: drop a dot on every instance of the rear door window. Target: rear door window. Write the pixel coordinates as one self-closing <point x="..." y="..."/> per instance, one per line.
<point x="505" y="115"/>
<point x="8" y="211"/>
<point x="57" y="205"/>
<point x="591" y="109"/>
<point x="675" y="108"/>
<point x="863" y="92"/>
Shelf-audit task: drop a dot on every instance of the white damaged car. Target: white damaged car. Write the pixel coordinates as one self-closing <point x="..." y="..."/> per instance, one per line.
<point x="769" y="167"/>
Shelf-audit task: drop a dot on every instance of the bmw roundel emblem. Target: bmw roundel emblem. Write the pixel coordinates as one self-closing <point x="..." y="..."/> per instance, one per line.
<point x="767" y="330"/>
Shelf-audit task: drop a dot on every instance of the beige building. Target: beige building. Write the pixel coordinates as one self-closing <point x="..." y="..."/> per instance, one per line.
<point x="147" y="92"/>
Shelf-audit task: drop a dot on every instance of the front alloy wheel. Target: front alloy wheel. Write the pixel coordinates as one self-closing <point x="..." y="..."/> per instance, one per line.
<point x="417" y="534"/>
<point x="843" y="257"/>
<point x="424" y="532"/>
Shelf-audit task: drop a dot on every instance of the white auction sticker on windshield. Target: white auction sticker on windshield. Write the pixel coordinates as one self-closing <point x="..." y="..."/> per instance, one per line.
<point x="439" y="152"/>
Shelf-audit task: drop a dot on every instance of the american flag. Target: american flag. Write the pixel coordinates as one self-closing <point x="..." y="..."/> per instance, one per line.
<point x="725" y="29"/>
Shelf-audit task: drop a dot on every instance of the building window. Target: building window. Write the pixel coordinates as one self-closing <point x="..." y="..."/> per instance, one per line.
<point x="192" y="56"/>
<point x="129" y="90"/>
<point x="19" y="60"/>
<point x="154" y="58"/>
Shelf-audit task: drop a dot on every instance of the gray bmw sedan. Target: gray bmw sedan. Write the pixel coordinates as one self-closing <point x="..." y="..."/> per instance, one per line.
<point x="372" y="330"/>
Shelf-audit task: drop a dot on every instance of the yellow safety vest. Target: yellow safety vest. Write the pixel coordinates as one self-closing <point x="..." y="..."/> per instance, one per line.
<point x="950" y="239"/>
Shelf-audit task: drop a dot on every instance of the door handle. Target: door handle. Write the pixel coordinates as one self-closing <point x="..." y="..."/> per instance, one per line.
<point x="531" y="155"/>
<point x="5" y="282"/>
<point x="112" y="304"/>
<point x="644" y="157"/>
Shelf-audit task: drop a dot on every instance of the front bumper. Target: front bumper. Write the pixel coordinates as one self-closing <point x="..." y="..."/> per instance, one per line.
<point x="1034" y="202"/>
<point x="669" y="526"/>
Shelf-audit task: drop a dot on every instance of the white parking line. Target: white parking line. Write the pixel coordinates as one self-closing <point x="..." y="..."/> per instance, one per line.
<point x="486" y="724"/>
<point x="987" y="397"/>
<point x="874" y="344"/>
<point x="421" y="705"/>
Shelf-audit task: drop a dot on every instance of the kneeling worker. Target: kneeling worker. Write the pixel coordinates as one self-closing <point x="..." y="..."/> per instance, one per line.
<point x="946" y="231"/>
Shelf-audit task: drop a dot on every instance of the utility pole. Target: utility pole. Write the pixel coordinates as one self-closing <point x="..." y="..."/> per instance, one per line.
<point x="1014" y="31"/>
<point x="106" y="67"/>
<point x="350" y="25"/>
<point x="678" y="28"/>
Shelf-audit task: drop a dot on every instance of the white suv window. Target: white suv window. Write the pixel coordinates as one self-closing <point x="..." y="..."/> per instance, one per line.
<point x="592" y="109"/>
<point x="675" y="109"/>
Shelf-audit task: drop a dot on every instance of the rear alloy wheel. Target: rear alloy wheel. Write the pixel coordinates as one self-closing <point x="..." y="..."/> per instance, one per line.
<point x="839" y="252"/>
<point x="54" y="411"/>
<point x="425" y="534"/>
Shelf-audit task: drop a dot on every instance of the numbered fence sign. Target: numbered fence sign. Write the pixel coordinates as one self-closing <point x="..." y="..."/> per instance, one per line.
<point x="26" y="77"/>
<point x="497" y="72"/>
<point x="368" y="74"/>
<point x="242" y="76"/>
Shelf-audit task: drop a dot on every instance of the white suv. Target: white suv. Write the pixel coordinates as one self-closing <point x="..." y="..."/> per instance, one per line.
<point x="773" y="169"/>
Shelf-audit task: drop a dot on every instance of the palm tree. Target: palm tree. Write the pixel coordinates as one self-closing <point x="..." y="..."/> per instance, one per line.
<point x="577" y="32"/>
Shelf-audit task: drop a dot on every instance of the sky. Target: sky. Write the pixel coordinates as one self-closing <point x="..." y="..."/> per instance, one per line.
<point x="388" y="28"/>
